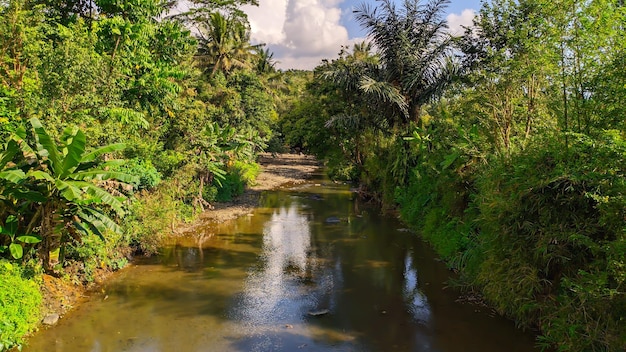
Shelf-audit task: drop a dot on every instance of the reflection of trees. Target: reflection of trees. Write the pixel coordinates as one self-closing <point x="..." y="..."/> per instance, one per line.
<point x="375" y="293"/>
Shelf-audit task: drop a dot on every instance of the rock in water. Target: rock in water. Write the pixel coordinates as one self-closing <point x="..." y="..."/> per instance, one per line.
<point x="333" y="220"/>
<point x="51" y="319"/>
<point x="317" y="313"/>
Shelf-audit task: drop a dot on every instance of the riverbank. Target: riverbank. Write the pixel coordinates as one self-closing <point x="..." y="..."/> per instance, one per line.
<point x="61" y="295"/>
<point x="277" y="170"/>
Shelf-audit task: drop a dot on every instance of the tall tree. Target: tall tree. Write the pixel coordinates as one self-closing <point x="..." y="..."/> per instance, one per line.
<point x="224" y="44"/>
<point x="416" y="52"/>
<point x="265" y="60"/>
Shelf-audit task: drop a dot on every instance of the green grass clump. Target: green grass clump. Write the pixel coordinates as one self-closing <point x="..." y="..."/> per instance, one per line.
<point x="553" y="239"/>
<point x="238" y="176"/>
<point x="20" y="304"/>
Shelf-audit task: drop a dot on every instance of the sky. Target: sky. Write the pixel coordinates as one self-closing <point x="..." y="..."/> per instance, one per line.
<point x="301" y="33"/>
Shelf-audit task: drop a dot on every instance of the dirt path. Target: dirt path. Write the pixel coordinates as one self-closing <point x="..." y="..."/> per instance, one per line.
<point x="277" y="170"/>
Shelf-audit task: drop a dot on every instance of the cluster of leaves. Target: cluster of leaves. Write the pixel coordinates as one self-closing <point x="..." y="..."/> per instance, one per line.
<point x="552" y="239"/>
<point x="110" y="66"/>
<point x="238" y="175"/>
<point x="54" y="188"/>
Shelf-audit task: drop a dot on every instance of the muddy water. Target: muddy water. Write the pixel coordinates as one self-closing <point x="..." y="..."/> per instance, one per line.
<point x="312" y="270"/>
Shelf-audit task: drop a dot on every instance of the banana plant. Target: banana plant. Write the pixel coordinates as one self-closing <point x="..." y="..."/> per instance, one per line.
<point x="59" y="187"/>
<point x="16" y="242"/>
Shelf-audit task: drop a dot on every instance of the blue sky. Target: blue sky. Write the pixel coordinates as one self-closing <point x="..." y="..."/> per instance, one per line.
<point x="456" y="7"/>
<point x="303" y="32"/>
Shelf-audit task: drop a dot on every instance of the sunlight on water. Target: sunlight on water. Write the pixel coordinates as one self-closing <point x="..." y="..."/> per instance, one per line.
<point x="313" y="270"/>
<point x="286" y="241"/>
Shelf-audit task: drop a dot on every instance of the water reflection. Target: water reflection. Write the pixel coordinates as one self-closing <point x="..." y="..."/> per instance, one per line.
<point x="416" y="300"/>
<point x="271" y="291"/>
<point x="253" y="284"/>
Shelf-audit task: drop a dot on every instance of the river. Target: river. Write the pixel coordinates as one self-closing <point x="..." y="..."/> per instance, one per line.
<point x="312" y="269"/>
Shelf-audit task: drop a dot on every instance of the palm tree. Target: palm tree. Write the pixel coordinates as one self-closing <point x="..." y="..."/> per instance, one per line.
<point x="386" y="91"/>
<point x="414" y="48"/>
<point x="377" y="103"/>
<point x="265" y="60"/>
<point x="224" y="45"/>
<point x="371" y="102"/>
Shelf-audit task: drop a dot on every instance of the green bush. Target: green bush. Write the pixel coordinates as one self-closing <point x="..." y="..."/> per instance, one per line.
<point x="436" y="198"/>
<point x="168" y="161"/>
<point x="153" y="215"/>
<point x="553" y="240"/>
<point x="247" y="171"/>
<point x="432" y="205"/>
<point x="239" y="175"/>
<point x="93" y="253"/>
<point x="148" y="175"/>
<point x="338" y="168"/>
<point x="20" y="304"/>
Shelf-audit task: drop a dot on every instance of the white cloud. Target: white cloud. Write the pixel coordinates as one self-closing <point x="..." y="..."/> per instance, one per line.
<point x="288" y="59"/>
<point x="266" y="20"/>
<point x="300" y="32"/>
<point x="457" y="22"/>
<point x="303" y="32"/>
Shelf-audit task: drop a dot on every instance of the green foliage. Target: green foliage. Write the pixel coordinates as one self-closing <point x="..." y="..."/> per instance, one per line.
<point x="238" y="176"/>
<point x="146" y="174"/>
<point x="21" y="304"/>
<point x="8" y="112"/>
<point x="47" y="178"/>
<point x="15" y="242"/>
<point x="303" y="127"/>
<point x="515" y="176"/>
<point x="151" y="217"/>
<point x="248" y="171"/>
<point x="341" y="169"/>
<point x="415" y="53"/>
<point x="232" y="186"/>
<point x="92" y="70"/>
<point x="224" y="44"/>
<point x="92" y="253"/>
<point x="436" y="197"/>
<point x="552" y="221"/>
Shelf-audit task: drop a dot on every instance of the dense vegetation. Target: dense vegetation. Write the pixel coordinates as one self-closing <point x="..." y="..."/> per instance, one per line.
<point x="504" y="147"/>
<point x="116" y="124"/>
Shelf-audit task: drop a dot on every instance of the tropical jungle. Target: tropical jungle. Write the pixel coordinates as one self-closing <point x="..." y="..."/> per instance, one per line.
<point x="503" y="147"/>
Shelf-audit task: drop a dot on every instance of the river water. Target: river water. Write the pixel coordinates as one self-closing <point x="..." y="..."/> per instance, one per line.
<point x="313" y="269"/>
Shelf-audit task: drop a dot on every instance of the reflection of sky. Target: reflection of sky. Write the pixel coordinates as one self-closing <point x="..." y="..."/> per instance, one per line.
<point x="286" y="239"/>
<point x="417" y="303"/>
<point x="270" y="292"/>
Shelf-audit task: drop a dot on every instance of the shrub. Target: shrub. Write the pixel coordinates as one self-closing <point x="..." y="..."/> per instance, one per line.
<point x="93" y="253"/>
<point x="553" y="240"/>
<point x="341" y="169"/>
<point x="148" y="176"/>
<point x="152" y="215"/>
<point x="20" y="304"/>
<point x="239" y="175"/>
